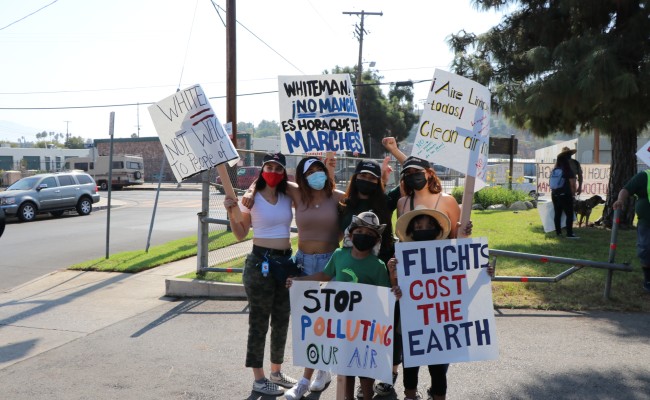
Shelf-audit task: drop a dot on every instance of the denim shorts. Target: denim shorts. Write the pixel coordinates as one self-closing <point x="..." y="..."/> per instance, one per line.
<point x="312" y="263"/>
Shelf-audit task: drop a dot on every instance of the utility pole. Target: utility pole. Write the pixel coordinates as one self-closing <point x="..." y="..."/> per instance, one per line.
<point x="67" y="135"/>
<point x="360" y="30"/>
<point x="231" y="67"/>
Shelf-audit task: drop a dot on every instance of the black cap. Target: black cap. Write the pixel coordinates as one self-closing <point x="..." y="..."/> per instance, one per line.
<point x="414" y="162"/>
<point x="275" y="157"/>
<point x="368" y="166"/>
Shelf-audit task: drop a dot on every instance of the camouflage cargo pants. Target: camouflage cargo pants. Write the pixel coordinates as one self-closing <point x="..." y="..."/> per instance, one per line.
<point x="268" y="300"/>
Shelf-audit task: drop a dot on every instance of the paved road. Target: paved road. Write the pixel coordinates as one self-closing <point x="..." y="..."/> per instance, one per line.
<point x="111" y="336"/>
<point x="37" y="248"/>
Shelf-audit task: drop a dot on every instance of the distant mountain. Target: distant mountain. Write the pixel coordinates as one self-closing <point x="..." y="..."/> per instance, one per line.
<point x="11" y="131"/>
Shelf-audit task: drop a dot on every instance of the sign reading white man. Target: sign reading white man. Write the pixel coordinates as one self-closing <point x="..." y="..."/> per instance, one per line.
<point x="318" y="114"/>
<point x="345" y="328"/>
<point x="454" y="126"/>
<point x="446" y="305"/>
<point x="190" y="133"/>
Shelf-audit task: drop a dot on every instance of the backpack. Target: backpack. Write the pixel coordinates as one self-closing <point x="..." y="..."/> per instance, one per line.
<point x="557" y="179"/>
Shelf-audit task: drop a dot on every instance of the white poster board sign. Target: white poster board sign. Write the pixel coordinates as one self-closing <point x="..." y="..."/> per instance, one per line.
<point x="318" y="113"/>
<point x="644" y="154"/>
<point x="547" y="215"/>
<point x="190" y="133"/>
<point x="446" y="305"/>
<point x="344" y="328"/>
<point x="454" y="127"/>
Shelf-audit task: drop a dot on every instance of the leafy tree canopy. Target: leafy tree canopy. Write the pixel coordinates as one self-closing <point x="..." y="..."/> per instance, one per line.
<point x="563" y="65"/>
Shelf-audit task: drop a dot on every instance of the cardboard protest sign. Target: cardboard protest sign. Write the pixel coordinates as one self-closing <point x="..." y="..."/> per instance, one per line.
<point x="547" y="216"/>
<point x="190" y="133"/>
<point x="455" y="125"/>
<point x="318" y="114"/>
<point x="446" y="305"/>
<point x="644" y="154"/>
<point x="344" y="328"/>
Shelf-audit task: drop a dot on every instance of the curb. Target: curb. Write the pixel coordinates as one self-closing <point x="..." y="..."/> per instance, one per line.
<point x="179" y="287"/>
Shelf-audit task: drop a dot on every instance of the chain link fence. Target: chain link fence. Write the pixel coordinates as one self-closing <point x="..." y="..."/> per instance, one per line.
<point x="248" y="169"/>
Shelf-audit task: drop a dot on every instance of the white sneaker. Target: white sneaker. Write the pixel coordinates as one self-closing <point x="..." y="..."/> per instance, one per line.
<point x="321" y="380"/>
<point x="296" y="392"/>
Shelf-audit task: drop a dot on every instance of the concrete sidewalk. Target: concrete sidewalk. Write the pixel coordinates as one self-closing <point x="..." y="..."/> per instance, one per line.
<point x="91" y="335"/>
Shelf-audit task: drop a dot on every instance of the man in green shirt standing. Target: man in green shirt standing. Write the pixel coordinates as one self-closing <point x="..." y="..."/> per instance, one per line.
<point x="638" y="186"/>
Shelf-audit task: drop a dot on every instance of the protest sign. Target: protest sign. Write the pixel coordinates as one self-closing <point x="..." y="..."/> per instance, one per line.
<point x="547" y="216"/>
<point x="644" y="154"/>
<point x="595" y="180"/>
<point x="344" y="328"/>
<point x="190" y="133"/>
<point x="318" y="114"/>
<point x="446" y="305"/>
<point x="455" y="124"/>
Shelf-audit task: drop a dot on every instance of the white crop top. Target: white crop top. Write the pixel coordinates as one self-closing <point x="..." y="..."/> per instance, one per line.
<point x="270" y="221"/>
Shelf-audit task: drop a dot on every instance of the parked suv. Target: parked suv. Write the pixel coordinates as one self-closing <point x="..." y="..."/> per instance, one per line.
<point x="54" y="193"/>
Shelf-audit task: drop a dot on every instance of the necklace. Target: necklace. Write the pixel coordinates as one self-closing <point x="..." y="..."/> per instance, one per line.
<point x="316" y="205"/>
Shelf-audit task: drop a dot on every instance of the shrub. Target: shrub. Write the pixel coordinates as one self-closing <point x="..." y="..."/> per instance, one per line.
<point x="492" y="195"/>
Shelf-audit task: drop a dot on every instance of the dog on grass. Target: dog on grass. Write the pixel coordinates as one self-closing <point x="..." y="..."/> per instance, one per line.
<point x="583" y="208"/>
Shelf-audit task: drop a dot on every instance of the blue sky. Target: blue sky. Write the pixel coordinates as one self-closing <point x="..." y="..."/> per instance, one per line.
<point x="90" y="53"/>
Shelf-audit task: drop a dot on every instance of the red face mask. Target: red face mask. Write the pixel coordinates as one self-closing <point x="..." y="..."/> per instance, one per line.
<point x="272" y="178"/>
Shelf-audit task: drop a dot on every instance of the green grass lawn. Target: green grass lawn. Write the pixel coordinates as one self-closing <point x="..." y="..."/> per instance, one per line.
<point x="506" y="230"/>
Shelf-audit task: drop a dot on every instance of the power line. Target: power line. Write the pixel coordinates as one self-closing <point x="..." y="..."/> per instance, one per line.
<point x="401" y="83"/>
<point x="260" y="39"/>
<point x="28" y="15"/>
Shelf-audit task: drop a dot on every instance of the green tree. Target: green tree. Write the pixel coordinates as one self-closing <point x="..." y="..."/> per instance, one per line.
<point x="75" y="142"/>
<point x="568" y="65"/>
<point x="381" y="115"/>
<point x="267" y="128"/>
<point x="245" y="127"/>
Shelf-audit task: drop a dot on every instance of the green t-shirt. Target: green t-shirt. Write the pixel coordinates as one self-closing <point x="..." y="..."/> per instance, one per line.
<point x="342" y="267"/>
<point x="638" y="186"/>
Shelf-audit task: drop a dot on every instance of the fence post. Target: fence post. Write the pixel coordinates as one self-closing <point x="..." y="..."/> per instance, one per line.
<point x="612" y="252"/>
<point x="203" y="234"/>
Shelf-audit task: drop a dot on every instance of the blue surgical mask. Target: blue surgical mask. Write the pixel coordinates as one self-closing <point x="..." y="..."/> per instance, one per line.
<point x="317" y="180"/>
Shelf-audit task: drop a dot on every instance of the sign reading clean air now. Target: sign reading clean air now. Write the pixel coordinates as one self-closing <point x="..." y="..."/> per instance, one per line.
<point x="318" y="114"/>
<point x="190" y="133"/>
<point x="454" y="127"/>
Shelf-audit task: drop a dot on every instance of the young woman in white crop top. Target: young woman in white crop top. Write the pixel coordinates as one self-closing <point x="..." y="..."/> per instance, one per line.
<point x="268" y="297"/>
<point x="316" y="204"/>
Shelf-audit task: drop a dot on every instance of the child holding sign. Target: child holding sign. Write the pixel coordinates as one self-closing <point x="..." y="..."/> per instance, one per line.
<point x="423" y="224"/>
<point x="356" y="262"/>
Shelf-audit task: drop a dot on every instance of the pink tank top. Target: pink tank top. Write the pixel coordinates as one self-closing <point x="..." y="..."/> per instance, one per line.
<point x="318" y="222"/>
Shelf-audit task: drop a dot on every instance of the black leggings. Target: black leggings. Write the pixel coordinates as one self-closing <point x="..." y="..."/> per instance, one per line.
<point x="438" y="373"/>
<point x="563" y="204"/>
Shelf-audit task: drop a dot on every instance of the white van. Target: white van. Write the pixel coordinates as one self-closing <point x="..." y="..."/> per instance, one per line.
<point x="128" y="169"/>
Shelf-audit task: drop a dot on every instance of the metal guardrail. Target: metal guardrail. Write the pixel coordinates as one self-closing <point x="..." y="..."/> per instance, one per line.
<point x="577" y="264"/>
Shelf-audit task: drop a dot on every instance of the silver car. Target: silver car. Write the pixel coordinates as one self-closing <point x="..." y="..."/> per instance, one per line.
<point x="54" y="193"/>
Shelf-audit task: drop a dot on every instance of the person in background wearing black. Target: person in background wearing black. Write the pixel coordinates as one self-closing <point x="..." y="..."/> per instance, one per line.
<point x="563" y="197"/>
<point x="575" y="166"/>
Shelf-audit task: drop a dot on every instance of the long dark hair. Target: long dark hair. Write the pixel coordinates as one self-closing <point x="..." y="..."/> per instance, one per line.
<point x="376" y="199"/>
<point x="303" y="186"/>
<point x="563" y="164"/>
<point x="260" y="183"/>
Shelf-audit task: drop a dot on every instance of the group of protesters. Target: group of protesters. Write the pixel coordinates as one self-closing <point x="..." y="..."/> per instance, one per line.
<point x="361" y="219"/>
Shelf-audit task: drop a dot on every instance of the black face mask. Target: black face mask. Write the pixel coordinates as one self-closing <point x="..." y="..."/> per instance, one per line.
<point x="415" y="181"/>
<point x="425" y="234"/>
<point x="365" y="187"/>
<point x="363" y="242"/>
